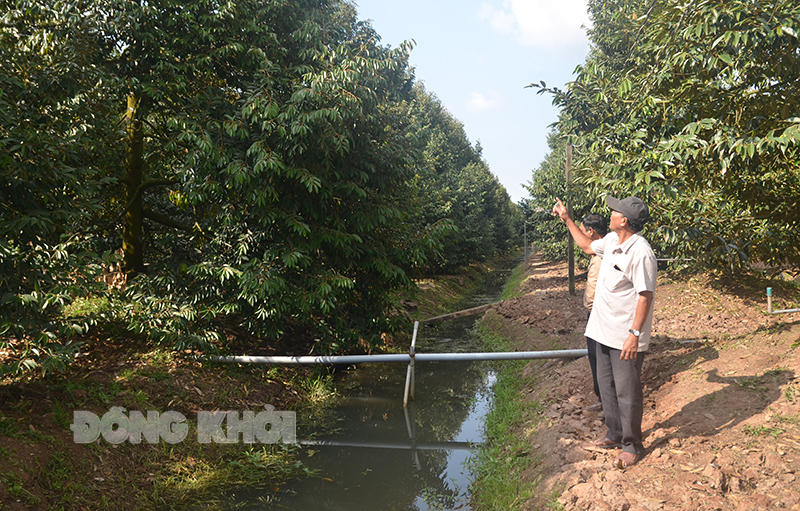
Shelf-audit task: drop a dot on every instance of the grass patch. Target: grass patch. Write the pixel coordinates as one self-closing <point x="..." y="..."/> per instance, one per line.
<point x="793" y="419"/>
<point x="8" y="427"/>
<point x="14" y="486"/>
<point x="514" y="283"/>
<point x="216" y="469"/>
<point x="506" y="454"/>
<point x="761" y="431"/>
<point x="53" y="471"/>
<point x="317" y="407"/>
<point x="443" y="293"/>
<point x="499" y="463"/>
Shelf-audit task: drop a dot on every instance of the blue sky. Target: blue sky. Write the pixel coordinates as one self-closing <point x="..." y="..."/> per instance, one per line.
<point x="477" y="56"/>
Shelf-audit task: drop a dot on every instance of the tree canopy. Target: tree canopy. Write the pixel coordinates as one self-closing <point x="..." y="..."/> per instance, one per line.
<point x="455" y="184"/>
<point x="253" y="166"/>
<point x="693" y="105"/>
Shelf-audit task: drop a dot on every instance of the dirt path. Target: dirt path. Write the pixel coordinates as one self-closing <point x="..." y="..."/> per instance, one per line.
<point x="722" y="399"/>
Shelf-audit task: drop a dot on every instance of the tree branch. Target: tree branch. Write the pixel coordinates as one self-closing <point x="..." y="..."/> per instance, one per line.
<point x="141" y="188"/>
<point x="164" y="220"/>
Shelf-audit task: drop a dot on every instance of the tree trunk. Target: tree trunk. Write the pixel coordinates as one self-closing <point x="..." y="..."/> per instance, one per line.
<point x="132" y="249"/>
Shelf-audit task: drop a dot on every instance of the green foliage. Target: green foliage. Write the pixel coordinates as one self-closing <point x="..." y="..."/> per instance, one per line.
<point x="297" y="187"/>
<point x="456" y="186"/>
<point x="38" y="281"/>
<point x="52" y="173"/>
<point x="255" y="163"/>
<point x="548" y="183"/>
<point x="693" y="106"/>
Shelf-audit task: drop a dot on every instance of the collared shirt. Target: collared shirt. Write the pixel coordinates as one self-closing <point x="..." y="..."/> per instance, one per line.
<point x="591" y="281"/>
<point x="626" y="270"/>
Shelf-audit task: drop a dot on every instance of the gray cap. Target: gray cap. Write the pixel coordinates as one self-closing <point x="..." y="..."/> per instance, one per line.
<point x="632" y="208"/>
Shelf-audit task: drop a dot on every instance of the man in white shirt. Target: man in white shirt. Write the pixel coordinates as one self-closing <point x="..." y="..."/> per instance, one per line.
<point x="621" y="319"/>
<point x="596" y="227"/>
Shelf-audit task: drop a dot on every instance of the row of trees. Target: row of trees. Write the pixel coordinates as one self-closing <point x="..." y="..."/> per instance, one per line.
<point x="261" y="165"/>
<point x="692" y="105"/>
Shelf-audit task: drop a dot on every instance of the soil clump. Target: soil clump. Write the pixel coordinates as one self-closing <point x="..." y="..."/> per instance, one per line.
<point x="722" y="397"/>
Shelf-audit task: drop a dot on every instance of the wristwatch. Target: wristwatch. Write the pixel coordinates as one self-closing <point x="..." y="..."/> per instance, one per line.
<point x="635" y="332"/>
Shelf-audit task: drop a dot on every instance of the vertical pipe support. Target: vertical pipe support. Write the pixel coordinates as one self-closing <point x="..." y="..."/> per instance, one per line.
<point x="769" y="300"/>
<point x="570" y="240"/>
<point x="771" y="310"/>
<point x="525" y="242"/>
<point x="411" y="356"/>
<point x="410" y="373"/>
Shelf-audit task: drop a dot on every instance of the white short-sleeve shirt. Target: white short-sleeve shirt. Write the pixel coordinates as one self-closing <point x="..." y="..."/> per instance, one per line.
<point x="626" y="270"/>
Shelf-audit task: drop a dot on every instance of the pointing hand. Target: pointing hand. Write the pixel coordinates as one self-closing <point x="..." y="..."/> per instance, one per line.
<point x="560" y="210"/>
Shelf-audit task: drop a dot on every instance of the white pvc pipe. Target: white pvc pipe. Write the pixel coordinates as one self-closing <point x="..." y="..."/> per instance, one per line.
<point x="412" y="353"/>
<point x="409" y="389"/>
<point x="394" y="445"/>
<point x="769" y="305"/>
<point x="398" y="357"/>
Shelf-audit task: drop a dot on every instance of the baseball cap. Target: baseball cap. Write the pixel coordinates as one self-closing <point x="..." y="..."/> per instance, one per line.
<point x="633" y="208"/>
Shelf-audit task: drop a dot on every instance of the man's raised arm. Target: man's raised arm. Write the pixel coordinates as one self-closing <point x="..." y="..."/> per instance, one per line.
<point x="582" y="240"/>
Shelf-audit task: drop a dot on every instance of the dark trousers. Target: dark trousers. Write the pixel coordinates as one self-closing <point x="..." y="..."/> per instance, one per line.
<point x="591" y="347"/>
<point x="623" y="402"/>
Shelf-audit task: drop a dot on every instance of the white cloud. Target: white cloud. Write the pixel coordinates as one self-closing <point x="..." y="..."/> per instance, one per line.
<point x="480" y="102"/>
<point x="548" y="23"/>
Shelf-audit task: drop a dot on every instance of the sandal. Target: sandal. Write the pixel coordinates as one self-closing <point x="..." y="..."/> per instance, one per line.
<point x="626" y="459"/>
<point x="606" y="443"/>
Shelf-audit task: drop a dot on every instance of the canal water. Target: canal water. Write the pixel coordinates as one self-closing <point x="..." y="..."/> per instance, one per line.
<point x="381" y="456"/>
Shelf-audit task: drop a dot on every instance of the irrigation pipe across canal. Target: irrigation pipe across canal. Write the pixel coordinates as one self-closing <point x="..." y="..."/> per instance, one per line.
<point x="399" y="357"/>
<point x="408" y="358"/>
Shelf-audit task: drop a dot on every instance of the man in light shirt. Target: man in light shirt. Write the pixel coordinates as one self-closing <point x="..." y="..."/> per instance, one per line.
<point x="595" y="227"/>
<point x="621" y="319"/>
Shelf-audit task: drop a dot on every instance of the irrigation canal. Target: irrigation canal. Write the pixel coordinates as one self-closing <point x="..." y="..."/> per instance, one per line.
<point x="382" y="456"/>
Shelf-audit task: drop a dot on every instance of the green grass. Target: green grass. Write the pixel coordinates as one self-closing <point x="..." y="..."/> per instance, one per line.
<point x="506" y="453"/>
<point x="14" y="486"/>
<point x="443" y="294"/>
<point x="761" y="431"/>
<point x="511" y="289"/>
<point x="219" y="468"/>
<point x="8" y="427"/>
<point x="144" y="476"/>
<point x="793" y="419"/>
